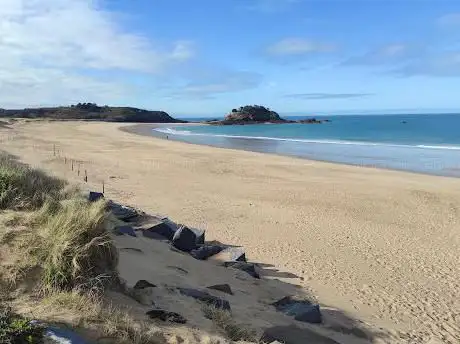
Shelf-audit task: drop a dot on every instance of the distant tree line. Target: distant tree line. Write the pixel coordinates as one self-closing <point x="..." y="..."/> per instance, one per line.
<point x="252" y="109"/>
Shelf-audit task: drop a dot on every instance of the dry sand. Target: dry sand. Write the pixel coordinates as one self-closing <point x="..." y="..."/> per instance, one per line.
<point x="382" y="246"/>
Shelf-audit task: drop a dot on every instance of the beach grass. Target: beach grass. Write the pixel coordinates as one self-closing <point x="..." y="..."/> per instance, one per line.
<point x="22" y="187"/>
<point x="89" y="309"/>
<point x="224" y="321"/>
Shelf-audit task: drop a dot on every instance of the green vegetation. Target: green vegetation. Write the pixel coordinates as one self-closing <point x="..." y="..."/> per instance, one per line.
<point x="15" y="329"/>
<point x="75" y="250"/>
<point x="91" y="111"/>
<point x="252" y="114"/>
<point x="24" y="188"/>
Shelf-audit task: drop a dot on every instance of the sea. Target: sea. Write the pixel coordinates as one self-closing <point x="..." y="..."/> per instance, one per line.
<point x="422" y="143"/>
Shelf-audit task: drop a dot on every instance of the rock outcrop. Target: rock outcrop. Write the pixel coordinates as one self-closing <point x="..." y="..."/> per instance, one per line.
<point x="251" y="114"/>
<point x="257" y="114"/>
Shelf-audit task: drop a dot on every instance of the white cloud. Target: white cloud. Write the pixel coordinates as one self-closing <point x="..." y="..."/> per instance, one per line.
<point x="220" y="82"/>
<point x="298" y="46"/>
<point x="46" y="44"/>
<point x="387" y="54"/>
<point x="446" y="64"/>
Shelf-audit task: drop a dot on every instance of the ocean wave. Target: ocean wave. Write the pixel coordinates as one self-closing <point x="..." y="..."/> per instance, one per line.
<point x="171" y="131"/>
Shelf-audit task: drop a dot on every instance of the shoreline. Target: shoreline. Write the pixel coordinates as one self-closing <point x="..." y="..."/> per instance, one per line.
<point x="381" y="245"/>
<point x="146" y="131"/>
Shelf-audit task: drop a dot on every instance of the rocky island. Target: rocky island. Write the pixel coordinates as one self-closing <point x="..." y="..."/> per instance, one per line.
<point x="257" y="114"/>
<point x="91" y="111"/>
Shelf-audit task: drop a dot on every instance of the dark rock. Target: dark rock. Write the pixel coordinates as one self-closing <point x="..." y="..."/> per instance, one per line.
<point x="95" y="196"/>
<point x="142" y="284"/>
<point x="310" y="315"/>
<point x="310" y="121"/>
<point x="225" y="288"/>
<point x="122" y="212"/>
<point x="231" y="254"/>
<point x="199" y="236"/>
<point x="249" y="268"/>
<point x="161" y="230"/>
<point x="294" y="335"/>
<point x="206" y="298"/>
<point x="288" y="301"/>
<point x="205" y="251"/>
<point x="184" y="239"/>
<point x="301" y="310"/>
<point x="122" y="230"/>
<point x="166" y="316"/>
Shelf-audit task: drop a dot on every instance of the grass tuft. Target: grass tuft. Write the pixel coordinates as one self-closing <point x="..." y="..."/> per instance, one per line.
<point x="224" y="320"/>
<point x="111" y="322"/>
<point x="24" y="188"/>
<point x="76" y="250"/>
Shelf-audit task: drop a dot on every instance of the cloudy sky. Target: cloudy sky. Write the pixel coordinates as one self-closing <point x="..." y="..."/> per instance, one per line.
<point x="205" y="57"/>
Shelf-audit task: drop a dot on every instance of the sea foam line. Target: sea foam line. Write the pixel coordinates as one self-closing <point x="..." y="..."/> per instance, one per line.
<point x="171" y="131"/>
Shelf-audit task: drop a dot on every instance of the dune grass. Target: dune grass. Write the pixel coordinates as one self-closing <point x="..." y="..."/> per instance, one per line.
<point x="76" y="250"/>
<point x="113" y="323"/>
<point x="68" y="243"/>
<point x="22" y="187"/>
<point x="65" y="236"/>
<point x="224" y="321"/>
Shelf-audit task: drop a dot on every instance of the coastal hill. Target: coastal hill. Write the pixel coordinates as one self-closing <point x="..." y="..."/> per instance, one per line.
<point x="91" y="111"/>
<point x="256" y="114"/>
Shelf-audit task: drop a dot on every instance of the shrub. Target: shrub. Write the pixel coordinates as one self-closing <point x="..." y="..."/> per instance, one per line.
<point x="17" y="330"/>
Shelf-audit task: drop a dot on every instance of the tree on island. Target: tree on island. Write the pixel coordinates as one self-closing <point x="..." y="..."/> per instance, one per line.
<point x="253" y="113"/>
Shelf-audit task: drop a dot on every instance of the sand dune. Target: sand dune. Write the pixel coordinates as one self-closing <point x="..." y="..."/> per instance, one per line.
<point x="382" y="246"/>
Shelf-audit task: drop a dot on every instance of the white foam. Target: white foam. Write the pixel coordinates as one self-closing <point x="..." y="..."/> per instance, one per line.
<point x="171" y="131"/>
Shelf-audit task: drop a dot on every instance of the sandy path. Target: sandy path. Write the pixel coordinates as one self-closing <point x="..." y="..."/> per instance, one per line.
<point x="381" y="245"/>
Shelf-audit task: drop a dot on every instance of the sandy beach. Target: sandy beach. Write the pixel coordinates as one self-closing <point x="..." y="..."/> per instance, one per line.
<point x="381" y="245"/>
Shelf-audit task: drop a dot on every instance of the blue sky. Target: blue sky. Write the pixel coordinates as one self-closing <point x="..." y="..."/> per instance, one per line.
<point x="205" y="57"/>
